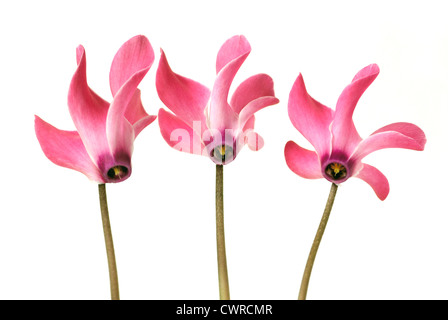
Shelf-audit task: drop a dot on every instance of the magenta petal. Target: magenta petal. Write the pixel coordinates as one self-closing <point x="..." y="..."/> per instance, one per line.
<point x="134" y="55"/>
<point x="409" y="137"/>
<point x="253" y="106"/>
<point x="408" y="129"/>
<point x="345" y="135"/>
<point x="184" y="97"/>
<point x="310" y="117"/>
<point x="88" y="110"/>
<point x="231" y="49"/>
<point x="260" y="85"/>
<point x="303" y="162"/>
<point x="178" y="134"/>
<point x="375" y="179"/>
<point x="65" y="148"/>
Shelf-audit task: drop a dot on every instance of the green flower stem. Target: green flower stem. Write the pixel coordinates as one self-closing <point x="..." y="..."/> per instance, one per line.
<point x="316" y="243"/>
<point x="113" y="275"/>
<point x="224" y="293"/>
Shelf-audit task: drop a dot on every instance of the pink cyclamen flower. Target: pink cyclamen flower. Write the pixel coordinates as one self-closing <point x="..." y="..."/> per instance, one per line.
<point x="102" y="145"/>
<point x="339" y="148"/>
<point x="205" y="122"/>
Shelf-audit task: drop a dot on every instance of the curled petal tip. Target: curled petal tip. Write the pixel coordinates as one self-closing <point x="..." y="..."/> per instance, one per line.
<point x="233" y="48"/>
<point x="134" y="56"/>
<point x="80" y="51"/>
<point x="372" y="70"/>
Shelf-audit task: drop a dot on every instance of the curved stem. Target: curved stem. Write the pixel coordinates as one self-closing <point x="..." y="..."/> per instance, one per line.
<point x="113" y="275"/>
<point x="316" y="243"/>
<point x="224" y="293"/>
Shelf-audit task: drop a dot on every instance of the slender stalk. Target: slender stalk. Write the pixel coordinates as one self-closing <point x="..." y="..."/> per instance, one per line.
<point x="316" y="243"/>
<point x="224" y="293"/>
<point x="113" y="275"/>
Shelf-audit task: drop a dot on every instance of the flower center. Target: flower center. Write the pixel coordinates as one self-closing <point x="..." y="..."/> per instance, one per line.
<point x="117" y="172"/>
<point x="336" y="171"/>
<point x="222" y="153"/>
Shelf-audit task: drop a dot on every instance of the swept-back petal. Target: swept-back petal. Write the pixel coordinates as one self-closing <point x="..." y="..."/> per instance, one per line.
<point x="260" y="85"/>
<point x="88" y="110"/>
<point x="178" y="134"/>
<point x="120" y="133"/>
<point x="230" y="50"/>
<point x="184" y="97"/>
<point x="303" y="162"/>
<point x="345" y="135"/>
<point x="375" y="179"/>
<point x="397" y="135"/>
<point x="253" y="106"/>
<point x="408" y="129"/>
<point x="310" y="117"/>
<point x="134" y="55"/>
<point x="65" y="148"/>
<point x="230" y="58"/>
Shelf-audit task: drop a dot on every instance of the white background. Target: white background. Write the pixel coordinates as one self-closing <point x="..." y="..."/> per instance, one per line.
<point x="163" y="219"/>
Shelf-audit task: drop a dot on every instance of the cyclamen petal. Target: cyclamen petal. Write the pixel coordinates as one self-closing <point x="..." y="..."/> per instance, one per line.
<point x="88" y="110"/>
<point x="221" y="115"/>
<point x="383" y="140"/>
<point x="375" y="179"/>
<point x="136" y="114"/>
<point x="66" y="149"/>
<point x="178" y="134"/>
<point x="310" y="117"/>
<point x="185" y="97"/>
<point x="254" y="106"/>
<point x="233" y="48"/>
<point x="120" y="133"/>
<point x="260" y="85"/>
<point x="408" y="129"/>
<point x="134" y="55"/>
<point x="303" y="162"/>
<point x="345" y="135"/>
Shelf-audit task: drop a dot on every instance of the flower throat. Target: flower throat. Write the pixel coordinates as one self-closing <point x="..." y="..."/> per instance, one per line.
<point x="336" y="171"/>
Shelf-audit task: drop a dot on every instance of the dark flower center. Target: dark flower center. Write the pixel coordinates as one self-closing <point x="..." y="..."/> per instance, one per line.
<point x="117" y="172"/>
<point x="223" y="153"/>
<point x="336" y="171"/>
